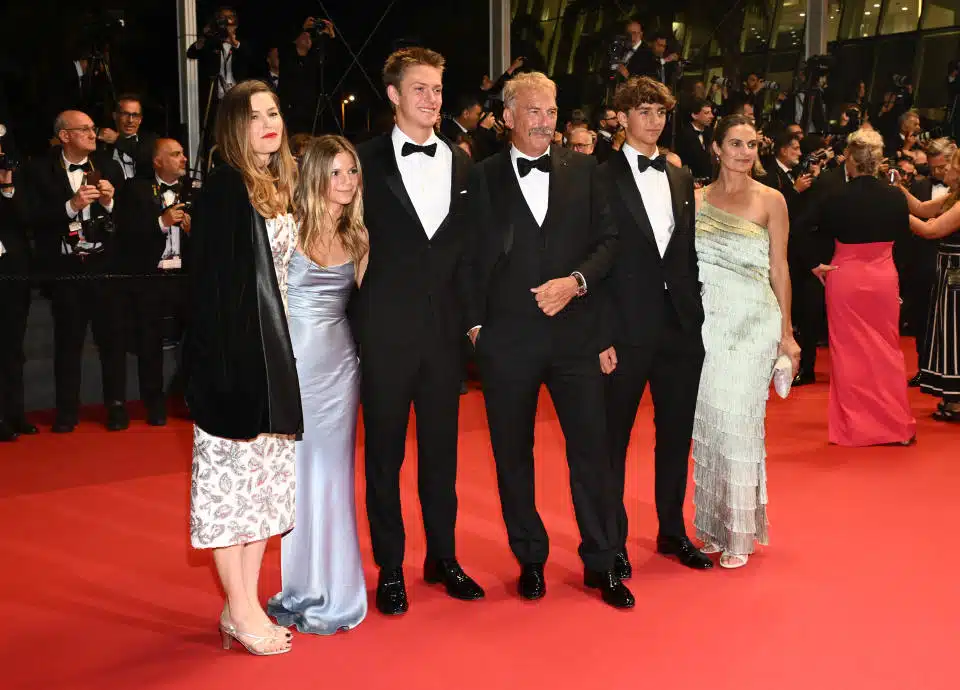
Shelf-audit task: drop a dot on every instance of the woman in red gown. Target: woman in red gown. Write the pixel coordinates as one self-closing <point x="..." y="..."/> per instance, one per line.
<point x="868" y="381"/>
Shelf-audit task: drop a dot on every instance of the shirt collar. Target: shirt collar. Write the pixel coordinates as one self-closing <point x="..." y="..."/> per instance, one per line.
<point x="783" y="167"/>
<point x="632" y="154"/>
<point x="516" y="153"/>
<point x="160" y="182"/>
<point x="399" y="138"/>
<point x="67" y="163"/>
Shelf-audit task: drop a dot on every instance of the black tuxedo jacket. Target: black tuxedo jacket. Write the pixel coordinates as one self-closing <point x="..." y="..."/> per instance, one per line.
<point x="633" y="293"/>
<point x="13" y="236"/>
<point x="643" y="63"/>
<point x="141" y="241"/>
<point x="140" y="149"/>
<point x="695" y="155"/>
<point x="412" y="282"/>
<point x="783" y="183"/>
<point x="241" y="376"/>
<point x="241" y="61"/>
<point x="46" y="189"/>
<point x="506" y="243"/>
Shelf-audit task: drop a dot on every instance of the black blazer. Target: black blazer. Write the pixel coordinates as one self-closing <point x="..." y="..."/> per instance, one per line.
<point x="695" y="155"/>
<point x="241" y="376"/>
<point x="576" y="235"/>
<point x="241" y="63"/>
<point x="13" y="236"/>
<point x="412" y="282"/>
<point x="141" y="150"/>
<point x="643" y="63"/>
<point x="46" y="190"/>
<point x="633" y="293"/>
<point x="141" y="241"/>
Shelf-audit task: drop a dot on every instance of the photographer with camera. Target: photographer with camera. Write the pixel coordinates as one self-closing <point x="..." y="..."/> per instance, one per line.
<point x="301" y="65"/>
<point x="693" y="141"/>
<point x="224" y="61"/>
<point x="631" y="57"/>
<point x="154" y="226"/>
<point x="68" y="196"/>
<point x="908" y="125"/>
<point x="127" y="145"/>
<point x="14" y="303"/>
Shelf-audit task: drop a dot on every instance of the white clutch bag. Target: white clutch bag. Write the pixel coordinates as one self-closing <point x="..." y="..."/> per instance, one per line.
<point x="783" y="376"/>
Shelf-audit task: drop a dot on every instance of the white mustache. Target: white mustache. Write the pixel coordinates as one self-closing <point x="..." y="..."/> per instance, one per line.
<point x="544" y="131"/>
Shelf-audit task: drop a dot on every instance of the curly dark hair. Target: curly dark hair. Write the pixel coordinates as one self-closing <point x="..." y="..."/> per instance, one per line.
<point x="637" y="91"/>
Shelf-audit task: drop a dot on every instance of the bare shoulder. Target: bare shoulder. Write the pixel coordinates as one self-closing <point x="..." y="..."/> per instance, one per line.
<point x="772" y="200"/>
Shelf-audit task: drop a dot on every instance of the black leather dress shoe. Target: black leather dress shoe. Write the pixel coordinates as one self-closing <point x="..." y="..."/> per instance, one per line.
<point x="7" y="433"/>
<point x="157" y="413"/>
<point x="64" y="423"/>
<point x="684" y="550"/>
<point x="612" y="590"/>
<point x="23" y="427"/>
<point x="117" y="417"/>
<point x="914" y="382"/>
<point x="392" y="593"/>
<point x="532" y="585"/>
<point x="448" y="572"/>
<point x="804" y="378"/>
<point x="621" y="564"/>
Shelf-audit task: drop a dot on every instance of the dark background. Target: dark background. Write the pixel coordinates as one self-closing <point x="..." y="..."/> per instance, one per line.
<point x="34" y="37"/>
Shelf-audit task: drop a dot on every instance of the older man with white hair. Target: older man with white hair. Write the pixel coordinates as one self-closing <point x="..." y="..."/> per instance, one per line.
<point x="539" y="250"/>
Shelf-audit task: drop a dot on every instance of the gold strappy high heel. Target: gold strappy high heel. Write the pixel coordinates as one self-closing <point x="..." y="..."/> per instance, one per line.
<point x="252" y="643"/>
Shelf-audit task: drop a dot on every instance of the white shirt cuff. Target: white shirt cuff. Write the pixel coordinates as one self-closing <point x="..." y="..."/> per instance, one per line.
<point x="108" y="207"/>
<point x="70" y="212"/>
<point x="8" y="193"/>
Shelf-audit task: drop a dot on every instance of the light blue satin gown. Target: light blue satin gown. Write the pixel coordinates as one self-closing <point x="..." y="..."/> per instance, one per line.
<point x="323" y="584"/>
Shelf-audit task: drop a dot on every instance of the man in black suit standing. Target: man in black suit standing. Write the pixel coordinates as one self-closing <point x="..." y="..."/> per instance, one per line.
<point x="539" y="249"/>
<point x="69" y="198"/>
<point x="154" y="225"/>
<point x="14" y="308"/>
<point x="127" y="145"/>
<point x="654" y="312"/>
<point x="693" y="140"/>
<point x="411" y="323"/>
<point x="639" y="59"/>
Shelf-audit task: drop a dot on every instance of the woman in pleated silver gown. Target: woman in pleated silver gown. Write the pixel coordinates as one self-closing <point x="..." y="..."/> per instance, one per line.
<point x="323" y="584"/>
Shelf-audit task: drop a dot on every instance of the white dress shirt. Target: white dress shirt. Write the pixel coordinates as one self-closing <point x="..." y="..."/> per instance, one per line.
<point x="938" y="190"/>
<point x="783" y="167"/>
<point x="535" y="187"/>
<point x="427" y="179"/>
<point x="127" y="164"/>
<point x="226" y="80"/>
<point x="76" y="179"/>
<point x="655" y="192"/>
<point x="172" y="248"/>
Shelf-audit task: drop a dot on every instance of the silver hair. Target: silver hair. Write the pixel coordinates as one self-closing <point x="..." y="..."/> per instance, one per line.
<point x="943" y="146"/>
<point x="60" y="123"/>
<point x="865" y="148"/>
<point x="526" y="81"/>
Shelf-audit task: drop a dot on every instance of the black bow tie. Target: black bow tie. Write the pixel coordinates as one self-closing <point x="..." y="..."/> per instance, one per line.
<point x="409" y="147"/>
<point x="658" y="163"/>
<point x="85" y="167"/>
<point x="175" y="187"/>
<point x="525" y="165"/>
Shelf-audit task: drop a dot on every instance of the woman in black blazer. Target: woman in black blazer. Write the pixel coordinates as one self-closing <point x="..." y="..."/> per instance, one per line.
<point x="242" y="386"/>
<point x="868" y="381"/>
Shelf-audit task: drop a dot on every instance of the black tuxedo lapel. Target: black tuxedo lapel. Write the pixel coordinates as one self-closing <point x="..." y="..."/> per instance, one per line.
<point x="458" y="181"/>
<point x="559" y="187"/>
<point x="678" y="200"/>
<point x="59" y="171"/>
<point x="627" y="186"/>
<point x="395" y="182"/>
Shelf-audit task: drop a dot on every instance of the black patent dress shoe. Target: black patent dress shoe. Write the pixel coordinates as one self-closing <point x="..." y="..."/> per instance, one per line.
<point x="914" y="382"/>
<point x="448" y="572"/>
<point x="621" y="564"/>
<point x="684" y="549"/>
<point x="804" y="378"/>
<point x="117" y="417"/>
<point x="612" y="590"/>
<point x="23" y="427"/>
<point x="64" y="423"/>
<point x="157" y="413"/>
<point x="7" y="433"/>
<point x="392" y="593"/>
<point x="532" y="585"/>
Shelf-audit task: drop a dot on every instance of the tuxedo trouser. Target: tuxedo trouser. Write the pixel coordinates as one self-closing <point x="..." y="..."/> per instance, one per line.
<point x="426" y="375"/>
<point x="809" y="314"/>
<point x="77" y="303"/>
<point x="672" y="368"/>
<point x="14" y="308"/>
<point x="151" y="301"/>
<point x="512" y="375"/>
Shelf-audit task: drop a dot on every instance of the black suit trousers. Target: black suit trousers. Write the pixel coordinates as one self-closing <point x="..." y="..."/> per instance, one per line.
<point x="151" y="301"/>
<point x="14" y="307"/>
<point x="75" y="304"/>
<point x="427" y="376"/>
<point x="512" y="374"/>
<point x="672" y="368"/>
<point x="809" y="313"/>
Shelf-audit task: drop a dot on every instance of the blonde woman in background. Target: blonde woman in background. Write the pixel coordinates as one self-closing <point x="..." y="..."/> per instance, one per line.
<point x="323" y="584"/>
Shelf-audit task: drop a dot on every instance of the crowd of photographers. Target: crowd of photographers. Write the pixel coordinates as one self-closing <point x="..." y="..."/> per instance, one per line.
<point x="101" y="222"/>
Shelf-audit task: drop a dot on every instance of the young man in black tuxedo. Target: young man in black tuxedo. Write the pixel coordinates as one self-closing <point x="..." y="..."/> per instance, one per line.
<point x="153" y="230"/>
<point x="69" y="199"/>
<point x="410" y="323"/>
<point x="653" y="312"/>
<point x="14" y="308"/>
<point x="539" y="249"/>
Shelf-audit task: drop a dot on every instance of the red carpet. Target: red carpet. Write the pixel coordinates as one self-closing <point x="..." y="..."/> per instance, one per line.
<point x="857" y="590"/>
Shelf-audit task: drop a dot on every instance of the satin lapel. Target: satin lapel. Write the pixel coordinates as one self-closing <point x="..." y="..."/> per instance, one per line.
<point x="458" y="182"/>
<point x="395" y="182"/>
<point x="559" y="176"/>
<point x="679" y="202"/>
<point x="627" y="186"/>
<point x="508" y="199"/>
<point x="60" y="171"/>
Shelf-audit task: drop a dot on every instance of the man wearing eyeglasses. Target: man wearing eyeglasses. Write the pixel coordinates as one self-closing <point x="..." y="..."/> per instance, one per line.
<point x="127" y="145"/>
<point x="582" y="140"/>
<point x="68" y="196"/>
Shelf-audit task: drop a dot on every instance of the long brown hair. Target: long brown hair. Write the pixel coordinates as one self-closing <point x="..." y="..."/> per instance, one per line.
<point x="310" y="198"/>
<point x="270" y="187"/>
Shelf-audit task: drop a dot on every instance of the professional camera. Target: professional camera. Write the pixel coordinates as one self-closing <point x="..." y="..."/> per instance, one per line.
<point x="810" y="160"/>
<point x="219" y="29"/>
<point x="189" y="188"/>
<point x="98" y="30"/>
<point x="617" y="51"/>
<point x="770" y="85"/>
<point x="818" y="66"/>
<point x="932" y="133"/>
<point x="722" y="83"/>
<point x="321" y="27"/>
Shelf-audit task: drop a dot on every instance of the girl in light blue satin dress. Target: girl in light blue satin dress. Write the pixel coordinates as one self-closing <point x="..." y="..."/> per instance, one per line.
<point x="323" y="583"/>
